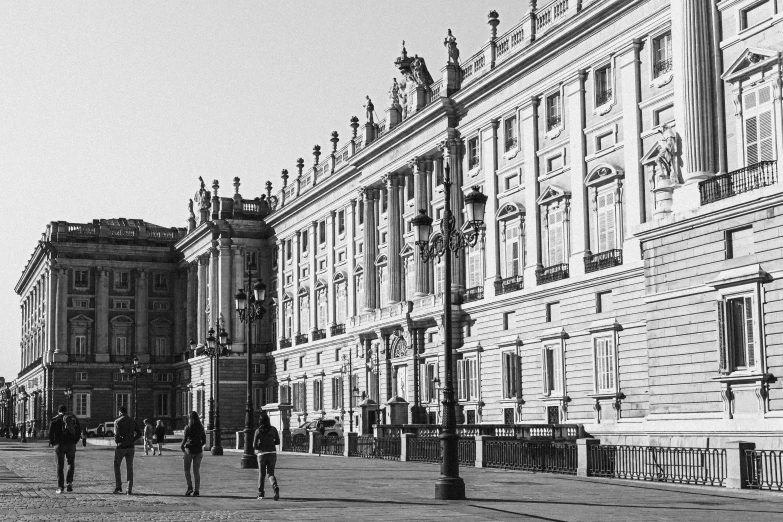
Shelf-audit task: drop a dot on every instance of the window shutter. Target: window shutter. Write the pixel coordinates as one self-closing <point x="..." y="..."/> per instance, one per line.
<point x="473" y="379"/>
<point x="545" y="371"/>
<point x="460" y="373"/>
<point x="506" y="384"/>
<point x="723" y="365"/>
<point x="749" y="332"/>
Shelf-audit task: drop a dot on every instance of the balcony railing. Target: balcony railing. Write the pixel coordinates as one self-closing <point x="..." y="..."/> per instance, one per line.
<point x="736" y="182"/>
<point x="338" y="329"/>
<point x="473" y="294"/>
<point x="603" y="97"/>
<point x="553" y="121"/>
<point x="509" y="284"/>
<point x="662" y="66"/>
<point x="319" y="334"/>
<point x="511" y="143"/>
<point x="473" y="162"/>
<point x="301" y="339"/>
<point x="602" y="260"/>
<point x="551" y="273"/>
<point x="285" y="342"/>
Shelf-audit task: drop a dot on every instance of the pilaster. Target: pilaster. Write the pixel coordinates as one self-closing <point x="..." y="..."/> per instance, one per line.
<point x="529" y="112"/>
<point x="62" y="311"/>
<point x="492" y="231"/>
<point x="295" y="290"/>
<point x="102" y="315"/>
<point x="421" y="199"/>
<point x="579" y="231"/>
<point x="190" y="305"/>
<point x="236" y="328"/>
<point x="350" y="219"/>
<point x="313" y="231"/>
<point x="225" y="281"/>
<point x="370" y="196"/>
<point x="630" y="74"/>
<point x="201" y="305"/>
<point x="142" y="316"/>
<point x="281" y="267"/>
<point x="331" y="294"/>
<point x="393" y="241"/>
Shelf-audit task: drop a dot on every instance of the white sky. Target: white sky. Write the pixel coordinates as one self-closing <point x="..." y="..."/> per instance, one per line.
<point x="113" y="109"/>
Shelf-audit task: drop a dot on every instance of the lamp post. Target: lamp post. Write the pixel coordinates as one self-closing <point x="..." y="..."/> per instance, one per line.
<point x="68" y="394"/>
<point x="24" y="396"/>
<point x="249" y="311"/>
<point x="449" y="486"/>
<point x="136" y="371"/>
<point x="347" y="367"/>
<point x="216" y="348"/>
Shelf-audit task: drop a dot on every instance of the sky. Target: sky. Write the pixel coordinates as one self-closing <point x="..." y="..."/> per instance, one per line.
<point x="113" y="109"/>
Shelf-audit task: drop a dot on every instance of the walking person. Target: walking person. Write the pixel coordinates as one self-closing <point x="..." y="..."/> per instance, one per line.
<point x="63" y="436"/>
<point x="265" y="444"/>
<point x="160" y="436"/>
<point x="192" y="446"/>
<point x="149" y="431"/>
<point x="126" y="431"/>
<point x="84" y="437"/>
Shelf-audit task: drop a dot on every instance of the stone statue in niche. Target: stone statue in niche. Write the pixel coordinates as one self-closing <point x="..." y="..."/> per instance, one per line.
<point x="666" y="153"/>
<point x="450" y="42"/>
<point x="370" y="108"/>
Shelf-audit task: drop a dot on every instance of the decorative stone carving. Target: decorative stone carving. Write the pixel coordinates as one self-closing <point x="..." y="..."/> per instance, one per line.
<point x="450" y="42"/>
<point x="370" y="111"/>
<point x="202" y="197"/>
<point x="666" y="154"/>
<point x="190" y="209"/>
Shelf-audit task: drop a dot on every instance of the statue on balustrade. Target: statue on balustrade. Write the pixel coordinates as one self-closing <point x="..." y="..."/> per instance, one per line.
<point x="370" y="110"/>
<point x="394" y="96"/>
<point x="451" y="45"/>
<point x="202" y="197"/>
<point x="190" y="209"/>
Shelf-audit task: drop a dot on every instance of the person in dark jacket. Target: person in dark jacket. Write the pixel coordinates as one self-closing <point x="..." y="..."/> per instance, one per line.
<point x="192" y="446"/>
<point x="265" y="444"/>
<point x="84" y="437"/>
<point x="64" y="444"/>
<point x="160" y="436"/>
<point x="126" y="431"/>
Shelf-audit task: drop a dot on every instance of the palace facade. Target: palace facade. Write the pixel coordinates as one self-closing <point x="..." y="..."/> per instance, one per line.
<point x="628" y="275"/>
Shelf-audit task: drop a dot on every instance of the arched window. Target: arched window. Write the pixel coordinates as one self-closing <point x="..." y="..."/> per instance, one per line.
<point x="359" y="284"/>
<point x="382" y="266"/>
<point x="288" y="316"/>
<point x="304" y="310"/>
<point x="321" y="314"/>
<point x="341" y="298"/>
<point x="511" y="219"/>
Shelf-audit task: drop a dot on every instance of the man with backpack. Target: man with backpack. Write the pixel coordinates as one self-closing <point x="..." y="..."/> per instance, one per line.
<point x="126" y="431"/>
<point x="64" y="433"/>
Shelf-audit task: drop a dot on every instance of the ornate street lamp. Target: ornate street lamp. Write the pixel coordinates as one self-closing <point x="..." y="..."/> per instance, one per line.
<point x="136" y="371"/>
<point x="68" y="394"/>
<point x="353" y="393"/>
<point x="450" y="485"/>
<point x="24" y="396"/>
<point x="216" y="348"/>
<point x="249" y="311"/>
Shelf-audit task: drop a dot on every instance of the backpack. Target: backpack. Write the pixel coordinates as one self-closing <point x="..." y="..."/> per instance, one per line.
<point x="71" y="429"/>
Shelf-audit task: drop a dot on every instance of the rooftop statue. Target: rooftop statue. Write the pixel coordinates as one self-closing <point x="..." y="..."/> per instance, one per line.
<point x="202" y="197"/>
<point x="370" y="110"/>
<point x="190" y="208"/>
<point x="394" y="95"/>
<point x="451" y="45"/>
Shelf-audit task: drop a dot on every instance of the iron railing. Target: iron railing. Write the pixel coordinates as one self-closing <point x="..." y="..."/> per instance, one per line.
<point x="738" y="181"/>
<point x="329" y="445"/>
<point x="551" y="273"/>
<point x="338" y="329"/>
<point x="601" y="260"/>
<point x="319" y="334"/>
<point x="603" y="97"/>
<point x="553" y="121"/>
<point x="288" y="444"/>
<point x="509" y="284"/>
<point x="368" y="447"/>
<point x="285" y="342"/>
<point x="473" y="294"/>
<point x="705" y="466"/>
<point x="662" y="66"/>
<point x="511" y="143"/>
<point x="763" y="469"/>
<point x="301" y="338"/>
<point x="547" y="457"/>
<point x="429" y="450"/>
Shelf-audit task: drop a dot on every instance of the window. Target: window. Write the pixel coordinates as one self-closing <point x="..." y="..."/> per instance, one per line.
<point x="163" y="377"/>
<point x="510" y="133"/>
<point x="81" y="303"/>
<point x="80" y="278"/>
<point x="257" y="396"/>
<point x="285" y="365"/>
<point x="81" y="404"/>
<point x="161" y="282"/>
<point x="662" y="54"/>
<point x="401" y="381"/>
<point x="603" y="85"/>
<point x="508" y="320"/>
<point x="285" y="394"/>
<point x="756" y="14"/>
<point x="162" y="405"/>
<point x="121" y="305"/>
<point x="121" y="399"/>
<point x="122" y="280"/>
<point x="740" y="333"/>
<point x="553" y="370"/>
<point x="200" y="402"/>
<point x="250" y="261"/>
<point x="757" y="119"/>
<point x="337" y="393"/>
<point x="360" y="211"/>
<point x="288" y="249"/>
<point x="318" y="358"/>
<point x="299" y="396"/>
<point x="554" y="163"/>
<point x="555" y="237"/>
<point x="508" y="415"/>
<point x="161" y="305"/>
<point x="467" y="379"/>
<point x="553" y="312"/>
<point x="607" y="227"/>
<point x="81" y="376"/>
<point x="80" y="345"/>
<point x="337" y="355"/>
<point x="318" y="403"/>
<point x="257" y="370"/>
<point x="288" y="319"/>
<point x="604" y="141"/>
<point x="605" y="365"/>
<point x="511" y="182"/>
<point x="513" y="247"/>
<point x="304" y="314"/>
<point x="122" y="377"/>
<point x="161" y="346"/>
<point x="359" y="247"/>
<point x="384" y="195"/>
<point x="321" y="265"/>
<point x="304" y="238"/>
<point x="473" y="153"/>
<point x="289" y="279"/>
<point x="740" y="242"/>
<point x="322" y="305"/>
<point x="322" y="232"/>
<point x="510" y="375"/>
<point x="553" y="114"/>
<point x="360" y="290"/>
<point x="439" y="276"/>
<point x="341" y="303"/>
<point x="409" y="187"/>
<point x="604" y="302"/>
<point x="384" y="237"/>
<point x="301" y="361"/>
<point x="383" y="281"/>
<point x="341" y="256"/>
<point x="475" y="267"/>
<point x="410" y="277"/>
<point x="429" y="391"/>
<point x="120" y="346"/>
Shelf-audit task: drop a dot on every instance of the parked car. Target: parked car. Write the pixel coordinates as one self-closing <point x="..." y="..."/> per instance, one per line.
<point x="107" y="431"/>
<point x="329" y="427"/>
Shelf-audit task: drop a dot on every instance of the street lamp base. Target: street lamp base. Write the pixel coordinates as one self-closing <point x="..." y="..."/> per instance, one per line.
<point x="450" y="488"/>
<point x="217" y="450"/>
<point x="248" y="462"/>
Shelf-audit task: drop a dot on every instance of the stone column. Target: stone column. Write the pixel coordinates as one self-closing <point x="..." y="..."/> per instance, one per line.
<point x="630" y="74"/>
<point x="51" y="310"/>
<point x="402" y="199"/>
<point x="529" y="135"/>
<point x="280" y="290"/>
<point x="491" y="151"/>
<point x="694" y="107"/>
<point x="142" y="317"/>
<point x="295" y="291"/>
<point x="190" y="313"/>
<point x="451" y="149"/>
<point x="214" y="289"/>
<point x="226" y="284"/>
<point x="331" y="294"/>
<point x="180" y="289"/>
<point x="420" y="197"/>
<point x="579" y="232"/>
<point x="62" y="312"/>
<point x="313" y="277"/>
<point x="370" y="249"/>
<point x="237" y="331"/>
<point x="394" y="237"/>
<point x="102" y="316"/>
<point x="202" y="300"/>
<point x="350" y="221"/>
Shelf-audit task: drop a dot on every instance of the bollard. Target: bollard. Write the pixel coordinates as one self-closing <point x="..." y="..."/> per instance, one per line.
<point x="311" y="442"/>
<point x="404" y="446"/>
<point x="584" y="456"/>
<point x="481" y="459"/>
<point x="736" y="470"/>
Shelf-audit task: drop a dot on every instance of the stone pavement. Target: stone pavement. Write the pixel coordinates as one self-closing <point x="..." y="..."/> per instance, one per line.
<point x="337" y="488"/>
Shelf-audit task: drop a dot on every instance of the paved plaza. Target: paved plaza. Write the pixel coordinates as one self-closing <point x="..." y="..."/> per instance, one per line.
<point x="335" y="488"/>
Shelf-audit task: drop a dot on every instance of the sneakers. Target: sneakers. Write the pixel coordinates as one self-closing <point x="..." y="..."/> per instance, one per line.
<point x="189" y="492"/>
<point x="118" y="491"/>
<point x="260" y="496"/>
<point x="69" y="488"/>
<point x="59" y="491"/>
<point x="195" y="493"/>
<point x="130" y="490"/>
<point x="277" y="494"/>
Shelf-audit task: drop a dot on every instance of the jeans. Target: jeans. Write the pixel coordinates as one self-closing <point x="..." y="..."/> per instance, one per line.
<point x="195" y="460"/>
<point x="61" y="454"/>
<point x="266" y="466"/>
<point x="127" y="454"/>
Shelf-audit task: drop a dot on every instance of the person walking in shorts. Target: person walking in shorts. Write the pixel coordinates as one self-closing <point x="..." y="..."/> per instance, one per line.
<point x="64" y="433"/>
<point x="265" y="444"/>
<point x="126" y="431"/>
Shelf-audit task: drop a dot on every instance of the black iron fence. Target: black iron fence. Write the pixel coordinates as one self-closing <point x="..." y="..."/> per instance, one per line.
<point x="338" y="329"/>
<point x="509" y="284"/>
<point x="601" y="260"/>
<point x="552" y="273"/>
<point x="705" y="466"/>
<point x="295" y="446"/>
<point x="285" y="342"/>
<point x="662" y="66"/>
<point x="301" y="338"/>
<point x="370" y="447"/>
<point x="547" y="457"/>
<point x="738" y="181"/>
<point x="429" y="450"/>
<point x="603" y="97"/>
<point x="763" y="469"/>
<point x="319" y="334"/>
<point x="324" y="445"/>
<point x="473" y="294"/>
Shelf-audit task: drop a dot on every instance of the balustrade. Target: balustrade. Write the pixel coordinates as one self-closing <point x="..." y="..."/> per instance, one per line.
<point x="509" y="284"/>
<point x="338" y="329"/>
<point x="301" y="338"/>
<point x="551" y="273"/>
<point x="738" y="181"/>
<point x="601" y="260"/>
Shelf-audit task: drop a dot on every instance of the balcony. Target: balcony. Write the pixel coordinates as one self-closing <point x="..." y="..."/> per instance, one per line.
<point x="603" y="97"/>
<point x="285" y="342"/>
<point x="736" y="182"/>
<point x="319" y="334"/>
<point x="601" y="260"/>
<point x="509" y="284"/>
<point x="552" y="273"/>
<point x="662" y="67"/>
<point x="473" y="294"/>
<point x="338" y="329"/>
<point x="301" y="339"/>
